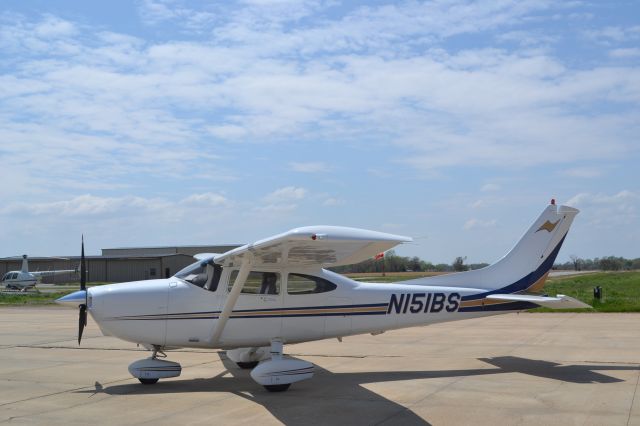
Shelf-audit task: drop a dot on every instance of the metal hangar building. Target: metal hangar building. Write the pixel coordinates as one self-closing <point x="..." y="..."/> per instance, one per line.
<point x="118" y="264"/>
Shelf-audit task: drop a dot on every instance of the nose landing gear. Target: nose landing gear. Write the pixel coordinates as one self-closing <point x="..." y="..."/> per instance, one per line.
<point x="149" y="370"/>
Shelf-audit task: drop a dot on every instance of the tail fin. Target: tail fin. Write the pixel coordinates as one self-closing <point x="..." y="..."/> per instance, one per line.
<point x="526" y="266"/>
<point x="25" y="264"/>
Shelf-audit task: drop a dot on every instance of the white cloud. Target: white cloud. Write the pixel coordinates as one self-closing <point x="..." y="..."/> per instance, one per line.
<point x="309" y="167"/>
<point x="629" y="52"/>
<point x="608" y="211"/>
<point x="477" y="223"/>
<point x="614" y="34"/>
<point x="85" y="109"/>
<point x="282" y="201"/>
<point x="286" y="194"/>
<point x="54" y="27"/>
<point x="585" y="198"/>
<point x="277" y="209"/>
<point x="227" y="131"/>
<point x="208" y="199"/>
<point x="478" y="204"/>
<point x="584" y="172"/>
<point x="526" y="38"/>
<point x="86" y="205"/>
<point x="154" y="12"/>
<point x="490" y="187"/>
<point x="330" y="202"/>
<point x="483" y="106"/>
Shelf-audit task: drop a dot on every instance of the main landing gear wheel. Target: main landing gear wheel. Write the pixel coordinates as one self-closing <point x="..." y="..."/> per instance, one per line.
<point x="277" y="388"/>
<point x="247" y="365"/>
<point x="277" y="374"/>
<point x="148" y="381"/>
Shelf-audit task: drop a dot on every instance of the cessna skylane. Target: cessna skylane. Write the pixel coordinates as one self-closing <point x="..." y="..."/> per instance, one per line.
<point x="254" y="299"/>
<point x="23" y="280"/>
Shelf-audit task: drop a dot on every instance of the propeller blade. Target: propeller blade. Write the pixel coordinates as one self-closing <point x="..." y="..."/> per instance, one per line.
<point x="82" y="321"/>
<point x="83" y="269"/>
<point x="82" y="318"/>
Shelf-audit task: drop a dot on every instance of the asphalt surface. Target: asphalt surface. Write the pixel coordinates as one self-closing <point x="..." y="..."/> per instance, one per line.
<point x="509" y="369"/>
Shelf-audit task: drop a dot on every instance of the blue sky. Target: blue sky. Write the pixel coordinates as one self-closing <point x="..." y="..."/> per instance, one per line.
<point x="451" y="121"/>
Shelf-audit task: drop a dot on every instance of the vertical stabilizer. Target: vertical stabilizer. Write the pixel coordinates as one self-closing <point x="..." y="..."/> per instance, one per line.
<point x="526" y="265"/>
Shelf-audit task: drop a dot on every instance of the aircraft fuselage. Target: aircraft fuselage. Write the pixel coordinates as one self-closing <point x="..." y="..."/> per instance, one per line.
<point x="176" y="313"/>
<point x="19" y="280"/>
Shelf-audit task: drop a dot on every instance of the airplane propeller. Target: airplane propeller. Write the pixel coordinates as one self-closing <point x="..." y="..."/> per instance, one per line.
<point x="82" y="319"/>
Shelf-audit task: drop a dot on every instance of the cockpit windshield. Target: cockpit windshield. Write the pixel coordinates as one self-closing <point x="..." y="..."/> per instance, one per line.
<point x="195" y="273"/>
<point x="201" y="273"/>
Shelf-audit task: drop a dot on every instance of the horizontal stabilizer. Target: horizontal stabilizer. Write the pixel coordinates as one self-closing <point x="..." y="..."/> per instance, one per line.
<point x="559" y="302"/>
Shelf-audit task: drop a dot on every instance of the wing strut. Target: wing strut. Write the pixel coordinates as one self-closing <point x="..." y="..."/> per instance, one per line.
<point x="233" y="297"/>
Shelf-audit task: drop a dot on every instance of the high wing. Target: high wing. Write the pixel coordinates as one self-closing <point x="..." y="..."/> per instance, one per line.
<point x="321" y="246"/>
<point x="559" y="302"/>
<point x="205" y="256"/>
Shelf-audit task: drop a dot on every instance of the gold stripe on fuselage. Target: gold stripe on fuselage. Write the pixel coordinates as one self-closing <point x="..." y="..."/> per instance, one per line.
<point x="536" y="287"/>
<point x="312" y="311"/>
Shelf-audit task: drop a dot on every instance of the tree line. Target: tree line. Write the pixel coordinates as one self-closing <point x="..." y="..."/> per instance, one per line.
<point x="394" y="263"/>
<point x="609" y="263"/>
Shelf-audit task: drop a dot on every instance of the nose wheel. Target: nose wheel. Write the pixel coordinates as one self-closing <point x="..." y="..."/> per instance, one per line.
<point x="149" y="370"/>
<point x="247" y="365"/>
<point x="277" y="388"/>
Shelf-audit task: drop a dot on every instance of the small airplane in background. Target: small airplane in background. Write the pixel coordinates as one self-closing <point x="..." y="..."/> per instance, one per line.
<point x="254" y="299"/>
<point x="23" y="280"/>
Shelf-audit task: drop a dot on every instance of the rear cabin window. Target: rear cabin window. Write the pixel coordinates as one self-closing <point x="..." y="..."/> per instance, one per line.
<point x="308" y="284"/>
<point x="258" y="282"/>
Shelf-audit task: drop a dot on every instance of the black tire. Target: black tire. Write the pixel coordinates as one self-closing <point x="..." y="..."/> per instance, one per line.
<point x="247" y="365"/>
<point x="148" y="381"/>
<point x="277" y="388"/>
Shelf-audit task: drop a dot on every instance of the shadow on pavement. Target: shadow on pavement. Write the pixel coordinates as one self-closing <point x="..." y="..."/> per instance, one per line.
<point x="341" y="395"/>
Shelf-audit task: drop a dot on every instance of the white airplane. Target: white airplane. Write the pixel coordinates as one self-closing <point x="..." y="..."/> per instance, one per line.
<point x="254" y="299"/>
<point x="23" y="280"/>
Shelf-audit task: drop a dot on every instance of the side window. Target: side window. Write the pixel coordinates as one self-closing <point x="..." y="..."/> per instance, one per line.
<point x="308" y="284"/>
<point x="258" y="282"/>
<point x="14" y="276"/>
